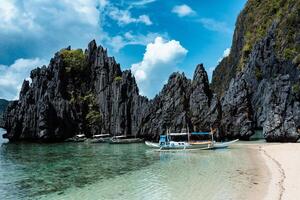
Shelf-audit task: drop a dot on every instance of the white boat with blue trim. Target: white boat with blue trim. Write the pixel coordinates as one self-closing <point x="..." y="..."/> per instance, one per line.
<point x="187" y="141"/>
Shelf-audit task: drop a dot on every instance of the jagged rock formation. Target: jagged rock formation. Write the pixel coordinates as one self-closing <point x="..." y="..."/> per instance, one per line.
<point x="77" y="93"/>
<point x="182" y="104"/>
<point x="252" y="25"/>
<point x="3" y="105"/>
<point x="263" y="68"/>
<point x="256" y="87"/>
<point x="237" y="113"/>
<point x="88" y="93"/>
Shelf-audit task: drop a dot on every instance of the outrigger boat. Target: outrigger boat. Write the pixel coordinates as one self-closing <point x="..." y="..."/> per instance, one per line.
<point x="123" y="139"/>
<point x="167" y="142"/>
<point x="77" y="138"/>
<point x="222" y="145"/>
<point x="102" y="138"/>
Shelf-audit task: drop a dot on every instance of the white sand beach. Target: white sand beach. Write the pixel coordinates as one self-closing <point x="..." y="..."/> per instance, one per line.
<point x="283" y="161"/>
<point x="282" y="180"/>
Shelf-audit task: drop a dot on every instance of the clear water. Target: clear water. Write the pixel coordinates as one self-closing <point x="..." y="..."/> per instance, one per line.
<point x="103" y="171"/>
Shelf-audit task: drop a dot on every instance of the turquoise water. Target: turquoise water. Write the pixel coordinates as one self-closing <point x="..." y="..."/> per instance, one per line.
<point x="103" y="171"/>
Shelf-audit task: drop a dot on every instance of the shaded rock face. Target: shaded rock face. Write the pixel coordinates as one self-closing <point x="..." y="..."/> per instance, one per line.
<point x="258" y="85"/>
<point x="265" y="95"/>
<point x="237" y="113"/>
<point x="182" y="104"/>
<point x="93" y="96"/>
<point x="259" y="81"/>
<point x="62" y="100"/>
<point x="274" y="91"/>
<point x="3" y="105"/>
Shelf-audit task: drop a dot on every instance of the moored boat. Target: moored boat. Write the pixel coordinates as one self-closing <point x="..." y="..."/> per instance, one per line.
<point x="169" y="141"/>
<point x="125" y="140"/>
<point x="166" y="142"/>
<point x="77" y="138"/>
<point x="102" y="138"/>
<point x="222" y="145"/>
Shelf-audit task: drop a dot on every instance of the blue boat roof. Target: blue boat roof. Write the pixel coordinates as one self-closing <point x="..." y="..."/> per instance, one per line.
<point x="200" y="133"/>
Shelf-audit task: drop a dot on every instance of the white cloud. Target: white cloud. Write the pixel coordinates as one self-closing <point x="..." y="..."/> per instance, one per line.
<point x="210" y="70"/>
<point x="142" y="2"/>
<point x="128" y="38"/>
<point x="225" y="54"/>
<point x="13" y="18"/>
<point x="214" y="25"/>
<point x="43" y="27"/>
<point x="160" y="60"/>
<point x="183" y="10"/>
<point x="16" y="15"/>
<point x="123" y="17"/>
<point x="12" y="77"/>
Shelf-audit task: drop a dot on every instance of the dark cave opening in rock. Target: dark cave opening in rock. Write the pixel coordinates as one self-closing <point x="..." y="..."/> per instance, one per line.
<point x="258" y="134"/>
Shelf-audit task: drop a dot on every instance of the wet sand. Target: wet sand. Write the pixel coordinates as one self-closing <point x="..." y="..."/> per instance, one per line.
<point x="284" y="166"/>
<point x="278" y="174"/>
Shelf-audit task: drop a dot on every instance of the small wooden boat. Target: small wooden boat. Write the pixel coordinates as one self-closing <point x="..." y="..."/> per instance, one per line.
<point x="222" y="145"/>
<point x="124" y="140"/>
<point x="102" y="138"/>
<point x="77" y="138"/>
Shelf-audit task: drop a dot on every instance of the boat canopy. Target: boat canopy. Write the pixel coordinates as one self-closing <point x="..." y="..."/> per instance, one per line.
<point x="102" y="135"/>
<point x="163" y="138"/>
<point x="177" y="134"/>
<point x="120" y="136"/>
<point x="200" y="133"/>
<point x="80" y="135"/>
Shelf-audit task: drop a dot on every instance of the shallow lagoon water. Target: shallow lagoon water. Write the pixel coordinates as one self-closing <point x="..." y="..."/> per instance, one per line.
<point x="103" y="171"/>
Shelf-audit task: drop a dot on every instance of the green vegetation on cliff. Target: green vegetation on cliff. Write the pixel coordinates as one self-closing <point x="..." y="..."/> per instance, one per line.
<point x="260" y="14"/>
<point x="74" y="60"/>
<point x="92" y="115"/>
<point x="252" y="25"/>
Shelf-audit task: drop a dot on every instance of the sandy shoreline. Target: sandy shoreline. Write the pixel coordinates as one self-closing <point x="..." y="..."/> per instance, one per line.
<point x="278" y="175"/>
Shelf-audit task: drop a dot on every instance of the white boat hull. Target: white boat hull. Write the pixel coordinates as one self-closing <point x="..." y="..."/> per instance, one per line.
<point x="152" y="144"/>
<point x="221" y="145"/>
<point x="126" y="141"/>
<point x="179" y="145"/>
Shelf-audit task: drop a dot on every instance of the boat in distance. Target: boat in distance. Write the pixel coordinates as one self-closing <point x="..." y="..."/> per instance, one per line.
<point x="125" y="140"/>
<point x="77" y="138"/>
<point x="102" y="138"/>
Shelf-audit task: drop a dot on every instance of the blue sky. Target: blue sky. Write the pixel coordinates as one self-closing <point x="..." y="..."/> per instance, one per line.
<point x="153" y="38"/>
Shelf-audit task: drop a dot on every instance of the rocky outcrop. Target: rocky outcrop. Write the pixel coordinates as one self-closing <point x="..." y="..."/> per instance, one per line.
<point x="87" y="93"/>
<point x="77" y="93"/>
<point x="256" y="87"/>
<point x="263" y="72"/>
<point x="182" y="104"/>
<point x="237" y="113"/>
<point x="3" y="105"/>
<point x="264" y="96"/>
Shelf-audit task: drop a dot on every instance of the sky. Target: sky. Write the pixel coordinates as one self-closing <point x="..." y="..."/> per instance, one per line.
<point x="153" y="38"/>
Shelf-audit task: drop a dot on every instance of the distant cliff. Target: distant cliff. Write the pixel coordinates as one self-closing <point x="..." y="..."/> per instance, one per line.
<point x="3" y="105"/>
